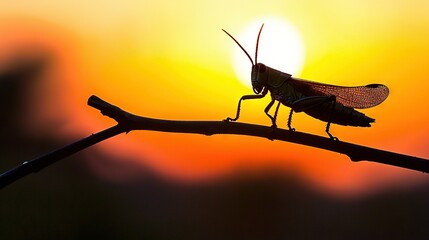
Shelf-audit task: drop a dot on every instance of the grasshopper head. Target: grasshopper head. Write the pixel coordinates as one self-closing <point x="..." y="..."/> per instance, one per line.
<point x="259" y="77"/>
<point x="259" y="70"/>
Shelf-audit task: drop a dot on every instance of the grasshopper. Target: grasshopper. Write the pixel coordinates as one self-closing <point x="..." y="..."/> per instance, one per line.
<point x="328" y="103"/>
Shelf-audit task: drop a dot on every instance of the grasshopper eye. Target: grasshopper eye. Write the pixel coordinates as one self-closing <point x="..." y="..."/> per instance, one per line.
<point x="262" y="68"/>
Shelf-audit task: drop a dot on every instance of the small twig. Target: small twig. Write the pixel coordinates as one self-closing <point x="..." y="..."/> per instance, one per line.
<point x="45" y="160"/>
<point x="129" y="122"/>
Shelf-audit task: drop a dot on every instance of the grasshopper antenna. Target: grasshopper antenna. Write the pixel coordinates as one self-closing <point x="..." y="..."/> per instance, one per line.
<point x="257" y="44"/>
<point x="241" y="46"/>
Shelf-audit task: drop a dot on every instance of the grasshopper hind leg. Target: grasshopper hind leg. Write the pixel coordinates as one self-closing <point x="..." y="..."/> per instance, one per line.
<point x="328" y="125"/>
<point x="289" y="121"/>
<point x="312" y="102"/>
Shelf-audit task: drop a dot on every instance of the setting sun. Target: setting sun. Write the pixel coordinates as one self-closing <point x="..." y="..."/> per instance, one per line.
<point x="280" y="47"/>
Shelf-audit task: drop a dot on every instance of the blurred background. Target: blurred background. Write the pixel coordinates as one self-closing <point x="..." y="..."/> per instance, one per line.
<point x="171" y="60"/>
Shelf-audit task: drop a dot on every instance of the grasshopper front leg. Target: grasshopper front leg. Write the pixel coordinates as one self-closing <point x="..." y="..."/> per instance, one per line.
<point x="245" y="97"/>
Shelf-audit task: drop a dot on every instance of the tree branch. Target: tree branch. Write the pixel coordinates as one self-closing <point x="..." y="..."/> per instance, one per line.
<point x="129" y="122"/>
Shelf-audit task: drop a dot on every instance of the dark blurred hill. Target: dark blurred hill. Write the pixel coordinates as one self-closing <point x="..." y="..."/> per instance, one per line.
<point x="66" y="201"/>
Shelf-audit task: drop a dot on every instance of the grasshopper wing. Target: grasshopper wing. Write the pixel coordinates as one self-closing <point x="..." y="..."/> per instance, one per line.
<point x="355" y="97"/>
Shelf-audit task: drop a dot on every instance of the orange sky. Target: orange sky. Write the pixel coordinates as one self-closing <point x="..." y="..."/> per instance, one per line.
<point x="171" y="60"/>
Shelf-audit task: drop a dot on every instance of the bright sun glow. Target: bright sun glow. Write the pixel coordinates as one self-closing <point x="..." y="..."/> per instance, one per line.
<point x="280" y="47"/>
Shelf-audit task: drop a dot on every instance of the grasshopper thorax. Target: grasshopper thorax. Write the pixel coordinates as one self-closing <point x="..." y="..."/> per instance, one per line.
<point x="259" y="77"/>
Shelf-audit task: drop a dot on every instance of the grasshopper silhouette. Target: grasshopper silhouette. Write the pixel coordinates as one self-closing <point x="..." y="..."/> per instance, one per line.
<point x="328" y="103"/>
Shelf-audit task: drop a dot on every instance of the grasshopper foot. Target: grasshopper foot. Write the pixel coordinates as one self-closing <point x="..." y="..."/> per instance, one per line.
<point x="228" y="119"/>
<point x="332" y="137"/>
<point x="272" y="132"/>
<point x="329" y="134"/>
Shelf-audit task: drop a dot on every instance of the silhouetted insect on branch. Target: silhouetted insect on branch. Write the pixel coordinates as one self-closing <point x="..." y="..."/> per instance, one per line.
<point x="129" y="122"/>
<point x="328" y="103"/>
